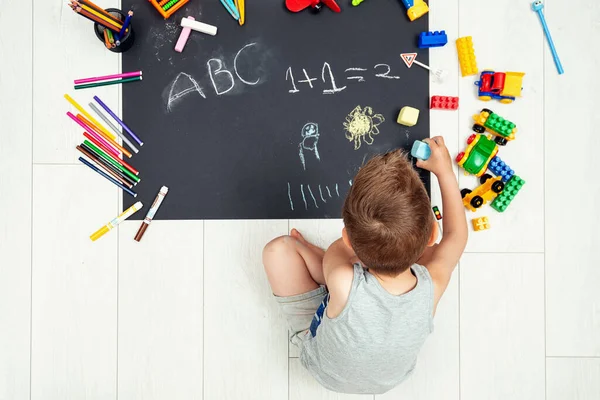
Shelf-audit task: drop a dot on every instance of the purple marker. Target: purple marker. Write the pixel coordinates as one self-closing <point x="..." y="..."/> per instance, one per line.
<point x="112" y="114"/>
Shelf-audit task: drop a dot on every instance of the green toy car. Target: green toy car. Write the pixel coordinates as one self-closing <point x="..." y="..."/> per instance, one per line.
<point x="477" y="155"/>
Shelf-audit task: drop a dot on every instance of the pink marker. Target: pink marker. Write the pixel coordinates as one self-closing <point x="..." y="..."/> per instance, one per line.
<point x="183" y="38"/>
<point x="95" y="135"/>
<point x="107" y="77"/>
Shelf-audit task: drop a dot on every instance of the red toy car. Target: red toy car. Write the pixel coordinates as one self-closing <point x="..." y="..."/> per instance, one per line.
<point x="299" y="5"/>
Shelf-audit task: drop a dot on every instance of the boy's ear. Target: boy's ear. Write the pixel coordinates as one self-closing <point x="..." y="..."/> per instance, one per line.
<point x="346" y="239"/>
<point x="434" y="234"/>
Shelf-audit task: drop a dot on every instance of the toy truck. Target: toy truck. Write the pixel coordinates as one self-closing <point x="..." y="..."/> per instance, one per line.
<point x="489" y="189"/>
<point x="501" y="128"/>
<point x="503" y="86"/>
<point x="476" y="157"/>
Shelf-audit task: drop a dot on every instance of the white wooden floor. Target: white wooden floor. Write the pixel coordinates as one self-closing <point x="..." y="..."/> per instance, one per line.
<point x="187" y="314"/>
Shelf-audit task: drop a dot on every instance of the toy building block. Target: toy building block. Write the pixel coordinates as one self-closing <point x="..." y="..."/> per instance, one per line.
<point x="466" y="56"/>
<point x="513" y="186"/>
<point x="415" y="8"/>
<point x="499" y="125"/>
<point x="420" y="150"/>
<point x="480" y="224"/>
<point x="444" y="103"/>
<point x="499" y="168"/>
<point x="408" y="116"/>
<point x="432" y="39"/>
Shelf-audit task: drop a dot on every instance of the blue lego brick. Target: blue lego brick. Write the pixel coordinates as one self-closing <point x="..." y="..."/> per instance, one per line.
<point x="432" y="39"/>
<point x="499" y="168"/>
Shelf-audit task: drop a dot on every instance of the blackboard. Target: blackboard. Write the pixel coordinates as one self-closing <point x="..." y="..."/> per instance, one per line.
<point x="234" y="151"/>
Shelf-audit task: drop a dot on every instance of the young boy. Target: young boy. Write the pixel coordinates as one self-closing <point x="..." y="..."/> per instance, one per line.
<point x="362" y="310"/>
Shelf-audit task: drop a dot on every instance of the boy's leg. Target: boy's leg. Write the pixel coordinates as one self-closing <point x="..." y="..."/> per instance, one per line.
<point x="293" y="265"/>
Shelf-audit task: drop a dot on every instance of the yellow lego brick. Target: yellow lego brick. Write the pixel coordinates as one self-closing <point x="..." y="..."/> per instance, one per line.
<point x="513" y="84"/>
<point x="419" y="9"/>
<point x="466" y="56"/>
<point x="480" y="224"/>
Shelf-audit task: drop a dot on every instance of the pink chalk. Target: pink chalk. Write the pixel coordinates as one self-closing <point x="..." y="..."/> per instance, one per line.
<point x="183" y="38"/>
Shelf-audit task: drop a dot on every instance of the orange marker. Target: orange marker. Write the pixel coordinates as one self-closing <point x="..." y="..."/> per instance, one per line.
<point x="99" y="132"/>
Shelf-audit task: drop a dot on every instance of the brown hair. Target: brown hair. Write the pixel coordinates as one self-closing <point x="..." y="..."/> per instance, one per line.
<point x="387" y="214"/>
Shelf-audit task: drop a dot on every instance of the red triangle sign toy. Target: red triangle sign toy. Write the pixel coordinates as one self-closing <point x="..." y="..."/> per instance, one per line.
<point x="408" y="58"/>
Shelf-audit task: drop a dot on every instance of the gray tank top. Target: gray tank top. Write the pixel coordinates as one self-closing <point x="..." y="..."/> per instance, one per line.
<point x="372" y="346"/>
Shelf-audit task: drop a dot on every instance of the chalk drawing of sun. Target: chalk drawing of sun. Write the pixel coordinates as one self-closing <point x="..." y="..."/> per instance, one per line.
<point x="361" y="124"/>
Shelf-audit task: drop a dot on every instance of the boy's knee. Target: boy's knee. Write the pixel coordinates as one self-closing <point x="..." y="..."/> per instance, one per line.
<point x="276" y="249"/>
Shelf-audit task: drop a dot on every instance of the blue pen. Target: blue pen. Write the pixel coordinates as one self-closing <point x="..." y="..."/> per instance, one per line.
<point x="110" y="178"/>
<point x="231" y="8"/>
<point x="125" y="26"/>
<point x="538" y="6"/>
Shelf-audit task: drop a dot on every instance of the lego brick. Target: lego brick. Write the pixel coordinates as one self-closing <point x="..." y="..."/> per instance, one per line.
<point x="432" y="39"/>
<point x="513" y="186"/>
<point x="466" y="56"/>
<point x="480" y="224"/>
<point x="408" y="116"/>
<point x="499" y="168"/>
<point x="415" y="9"/>
<point x="500" y="125"/>
<point x="420" y="150"/>
<point x="444" y="103"/>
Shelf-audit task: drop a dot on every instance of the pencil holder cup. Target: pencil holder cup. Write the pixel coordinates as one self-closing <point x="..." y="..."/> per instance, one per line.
<point x="128" y="38"/>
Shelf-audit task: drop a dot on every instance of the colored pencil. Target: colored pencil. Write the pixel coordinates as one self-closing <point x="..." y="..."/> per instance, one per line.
<point x="240" y="4"/>
<point x="102" y="14"/>
<point x="110" y="141"/>
<point x="102" y="17"/>
<point x="105" y="175"/>
<point x="107" y="77"/>
<point x="231" y="9"/>
<point x="113" y="127"/>
<point x="125" y="25"/>
<point x="99" y="159"/>
<point x="88" y="116"/>
<point x="106" y="41"/>
<point x="106" y="83"/>
<point x="101" y="145"/>
<point x="98" y="137"/>
<point x="112" y="114"/>
<point x="111" y="39"/>
<point x="107" y="169"/>
<point x="99" y="9"/>
<point x="100" y="21"/>
<point x="95" y="146"/>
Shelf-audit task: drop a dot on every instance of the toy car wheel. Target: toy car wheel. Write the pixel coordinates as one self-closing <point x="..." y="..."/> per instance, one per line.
<point x="485" y="98"/>
<point x="460" y="156"/>
<point x="478" y="128"/>
<point x="471" y="138"/>
<point x="500" y="141"/>
<point x="498" y="187"/>
<point x="484" y="178"/>
<point x="487" y="110"/>
<point x="476" y="201"/>
<point x="465" y="192"/>
<point x="506" y="101"/>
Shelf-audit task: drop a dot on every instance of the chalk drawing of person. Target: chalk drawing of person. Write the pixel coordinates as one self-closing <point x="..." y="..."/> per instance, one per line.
<point x="310" y="139"/>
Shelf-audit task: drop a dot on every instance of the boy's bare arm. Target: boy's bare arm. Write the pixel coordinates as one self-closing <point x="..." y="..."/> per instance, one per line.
<point x="445" y="256"/>
<point x="338" y="271"/>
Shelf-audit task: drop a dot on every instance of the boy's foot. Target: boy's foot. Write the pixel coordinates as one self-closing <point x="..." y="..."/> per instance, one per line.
<point x="298" y="236"/>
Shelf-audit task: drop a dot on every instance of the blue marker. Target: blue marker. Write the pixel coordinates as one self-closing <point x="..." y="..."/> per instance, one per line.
<point x="538" y="6"/>
<point x="110" y="178"/>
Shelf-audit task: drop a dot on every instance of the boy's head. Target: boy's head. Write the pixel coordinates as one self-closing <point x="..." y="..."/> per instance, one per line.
<point x="387" y="215"/>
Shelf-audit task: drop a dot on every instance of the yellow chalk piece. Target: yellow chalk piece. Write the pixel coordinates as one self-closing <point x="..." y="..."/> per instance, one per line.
<point x="408" y="116"/>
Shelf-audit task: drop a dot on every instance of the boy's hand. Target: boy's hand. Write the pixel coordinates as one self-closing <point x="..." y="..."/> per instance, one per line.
<point x="439" y="162"/>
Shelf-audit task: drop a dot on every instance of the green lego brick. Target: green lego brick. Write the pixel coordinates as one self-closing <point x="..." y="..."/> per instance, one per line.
<point x="511" y="189"/>
<point x="500" y="125"/>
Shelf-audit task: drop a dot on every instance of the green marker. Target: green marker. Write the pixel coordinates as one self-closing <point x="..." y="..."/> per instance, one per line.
<point x="102" y="154"/>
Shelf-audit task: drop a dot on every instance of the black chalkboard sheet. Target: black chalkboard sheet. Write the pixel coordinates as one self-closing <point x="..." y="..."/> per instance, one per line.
<point x="270" y="120"/>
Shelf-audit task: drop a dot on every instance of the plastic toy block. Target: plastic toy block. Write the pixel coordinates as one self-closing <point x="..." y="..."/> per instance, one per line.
<point x="480" y="224"/>
<point x="415" y="8"/>
<point x="513" y="186"/>
<point x="444" y="103"/>
<point x="499" y="125"/>
<point x="499" y="168"/>
<point x="408" y="116"/>
<point x="420" y="150"/>
<point x="437" y="213"/>
<point x="466" y="56"/>
<point x="432" y="39"/>
<point x="513" y="84"/>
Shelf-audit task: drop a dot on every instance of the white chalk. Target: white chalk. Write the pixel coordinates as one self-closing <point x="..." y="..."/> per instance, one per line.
<point x="199" y="26"/>
<point x="183" y="38"/>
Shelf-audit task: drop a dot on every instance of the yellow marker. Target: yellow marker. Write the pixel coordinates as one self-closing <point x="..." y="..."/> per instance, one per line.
<point x="88" y="116"/>
<point x="124" y="215"/>
<point x="239" y="4"/>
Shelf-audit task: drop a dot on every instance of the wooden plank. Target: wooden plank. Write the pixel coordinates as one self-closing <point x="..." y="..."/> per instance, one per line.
<point x="519" y="48"/>
<point x="15" y="202"/>
<point x="74" y="286"/>
<point x="572" y="258"/>
<point x="573" y="378"/>
<point x="160" y="310"/>
<point x="502" y="327"/>
<point x="245" y="337"/>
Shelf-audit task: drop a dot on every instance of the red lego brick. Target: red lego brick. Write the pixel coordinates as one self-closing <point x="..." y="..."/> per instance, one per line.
<point x="444" y="103"/>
